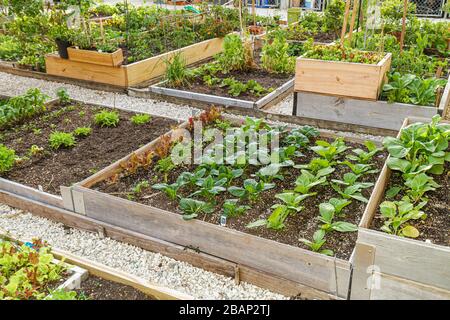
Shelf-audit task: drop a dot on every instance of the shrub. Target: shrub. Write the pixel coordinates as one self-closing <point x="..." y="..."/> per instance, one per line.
<point x="236" y="55"/>
<point x="61" y="139"/>
<point x="106" y="118"/>
<point x="7" y="158"/>
<point x="140" y="119"/>
<point x="82" y="131"/>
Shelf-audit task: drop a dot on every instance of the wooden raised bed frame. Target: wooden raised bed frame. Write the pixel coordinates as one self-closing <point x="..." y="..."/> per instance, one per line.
<point x="131" y="74"/>
<point x="339" y="78"/>
<point x="65" y="200"/>
<point x="327" y="274"/>
<point x="403" y="268"/>
<point x="264" y="102"/>
<point x="381" y="114"/>
<point x="113" y="59"/>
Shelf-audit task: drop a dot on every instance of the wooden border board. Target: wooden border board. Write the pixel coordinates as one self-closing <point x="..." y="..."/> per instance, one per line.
<point x="64" y="201"/>
<point x="132" y="74"/>
<point x="377" y="114"/>
<point x="264" y="102"/>
<point x="410" y="263"/>
<point x="324" y="273"/>
<point x="193" y="257"/>
<point x="346" y="79"/>
<point x="112" y="274"/>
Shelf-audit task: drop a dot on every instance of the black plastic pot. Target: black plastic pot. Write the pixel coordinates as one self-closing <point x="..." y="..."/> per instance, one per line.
<point x="62" y="48"/>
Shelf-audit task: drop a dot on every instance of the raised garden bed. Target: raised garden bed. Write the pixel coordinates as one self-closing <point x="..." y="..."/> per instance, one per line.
<point x="341" y="78"/>
<point x="251" y="83"/>
<point x="131" y="74"/>
<point x="402" y="267"/>
<point x="43" y="171"/>
<point x="276" y="252"/>
<point x="380" y="114"/>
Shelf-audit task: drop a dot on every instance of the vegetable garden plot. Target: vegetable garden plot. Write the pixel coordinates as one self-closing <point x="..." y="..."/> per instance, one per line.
<point x="240" y="76"/>
<point x="410" y="200"/>
<point x="54" y="145"/>
<point x="270" y="212"/>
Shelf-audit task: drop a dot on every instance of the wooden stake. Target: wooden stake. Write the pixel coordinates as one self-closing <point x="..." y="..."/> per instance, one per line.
<point x="344" y="24"/>
<point x="254" y="12"/>
<point x="240" y="17"/>
<point x="402" y="36"/>
<point x="102" y="31"/>
<point x="352" y="23"/>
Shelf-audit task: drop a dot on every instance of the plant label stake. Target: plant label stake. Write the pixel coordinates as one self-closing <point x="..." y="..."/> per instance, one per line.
<point x="223" y="220"/>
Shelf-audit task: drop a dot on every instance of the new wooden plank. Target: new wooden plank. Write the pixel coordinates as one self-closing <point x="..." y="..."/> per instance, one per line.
<point x="339" y="78"/>
<point x="198" y="259"/>
<point x="31" y="193"/>
<point x="156" y="66"/>
<point x="444" y="104"/>
<point x="379" y="114"/>
<point x="113" y="59"/>
<point x="12" y="68"/>
<point x="409" y="259"/>
<point x="292" y="263"/>
<point x="116" y="76"/>
<point x="395" y="288"/>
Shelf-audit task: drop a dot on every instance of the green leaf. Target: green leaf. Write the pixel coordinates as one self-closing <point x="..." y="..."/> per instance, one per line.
<point x="257" y="223"/>
<point x="392" y="192"/>
<point x="399" y="164"/>
<point x="342" y="226"/>
<point x="410" y="232"/>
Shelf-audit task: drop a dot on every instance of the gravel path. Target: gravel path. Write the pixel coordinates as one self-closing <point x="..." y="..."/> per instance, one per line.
<point x="15" y="85"/>
<point x="153" y="267"/>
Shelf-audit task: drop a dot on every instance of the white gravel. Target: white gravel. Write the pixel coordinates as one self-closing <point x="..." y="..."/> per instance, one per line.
<point x="154" y="267"/>
<point x="15" y="85"/>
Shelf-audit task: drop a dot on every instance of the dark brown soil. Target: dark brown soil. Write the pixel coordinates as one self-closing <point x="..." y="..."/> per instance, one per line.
<point x="54" y="168"/>
<point x="264" y="78"/>
<point x="436" y="227"/>
<point x="325" y="37"/>
<point x="95" y="288"/>
<point x="301" y="225"/>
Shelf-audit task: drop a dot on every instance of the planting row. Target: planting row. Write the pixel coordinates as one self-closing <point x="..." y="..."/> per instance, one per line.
<point x="61" y="143"/>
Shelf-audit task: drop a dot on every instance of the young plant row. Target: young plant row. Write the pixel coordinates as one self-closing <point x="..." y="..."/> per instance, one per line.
<point x="237" y="56"/>
<point x="234" y="187"/>
<point x="18" y="109"/>
<point x="418" y="154"/>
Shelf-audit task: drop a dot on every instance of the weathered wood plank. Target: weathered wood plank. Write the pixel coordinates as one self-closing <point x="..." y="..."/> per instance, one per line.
<point x="394" y="288"/>
<point x="207" y="98"/>
<point x="31" y="193"/>
<point x="198" y="259"/>
<point x="409" y="259"/>
<point x="293" y="263"/>
<point x="379" y="114"/>
<point x="115" y="275"/>
<point x="362" y="263"/>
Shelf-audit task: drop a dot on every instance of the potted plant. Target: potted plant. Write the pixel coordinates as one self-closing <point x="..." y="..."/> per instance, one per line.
<point x="62" y="36"/>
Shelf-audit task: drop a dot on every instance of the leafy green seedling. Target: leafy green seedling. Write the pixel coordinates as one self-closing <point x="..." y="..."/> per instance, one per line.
<point x="397" y="213"/>
<point x="7" y="158"/>
<point x="251" y="189"/>
<point x="192" y="208"/>
<point x="106" y="118"/>
<point x="61" y="139"/>
<point x="140" y="119"/>
<point x="327" y="211"/>
<point x="317" y="243"/>
<point x="232" y="209"/>
<point x="82" y="131"/>
<point x="364" y="157"/>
